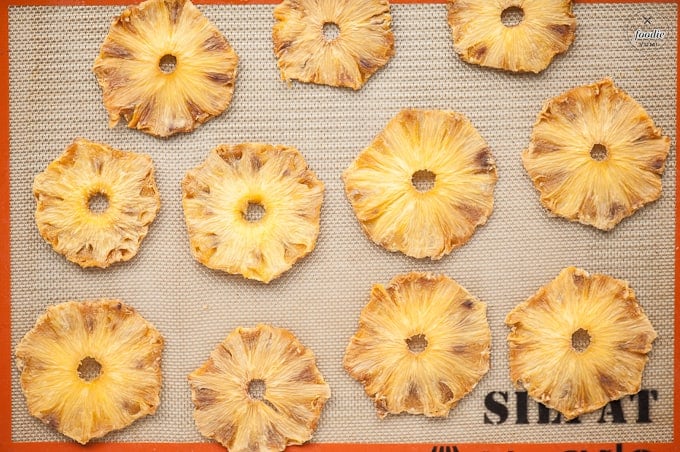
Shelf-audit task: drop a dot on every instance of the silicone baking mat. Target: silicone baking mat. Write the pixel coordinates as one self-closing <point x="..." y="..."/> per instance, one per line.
<point x="52" y="97"/>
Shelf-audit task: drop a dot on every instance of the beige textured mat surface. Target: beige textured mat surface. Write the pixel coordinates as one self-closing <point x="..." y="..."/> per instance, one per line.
<point x="54" y="98"/>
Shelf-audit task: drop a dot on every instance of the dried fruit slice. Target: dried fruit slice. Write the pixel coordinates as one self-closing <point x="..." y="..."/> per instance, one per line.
<point x="164" y="68"/>
<point x="252" y="209"/>
<point x="95" y="203"/>
<point x="515" y="35"/>
<point x="424" y="184"/>
<point x="579" y="342"/>
<point x="422" y="344"/>
<point x="90" y="367"/>
<point x="259" y="390"/>
<point x="364" y="41"/>
<point x="595" y="155"/>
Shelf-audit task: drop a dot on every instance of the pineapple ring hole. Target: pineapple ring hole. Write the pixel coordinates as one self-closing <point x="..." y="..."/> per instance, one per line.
<point x="98" y="203"/>
<point x="599" y="152"/>
<point x="417" y="343"/>
<point x="254" y="212"/>
<point x="580" y="340"/>
<point x="89" y="369"/>
<point x="167" y="64"/>
<point x="330" y="31"/>
<point x="256" y="389"/>
<point x="512" y="16"/>
<point x="423" y="180"/>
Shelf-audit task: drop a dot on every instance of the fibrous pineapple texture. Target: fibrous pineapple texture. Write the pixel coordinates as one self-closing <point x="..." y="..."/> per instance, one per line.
<point x="91" y="367"/>
<point x="95" y="203"/>
<point x="252" y="209"/>
<point x="307" y="51"/>
<point x="579" y="342"/>
<point x="595" y="155"/>
<point x="260" y="390"/>
<point x="424" y="184"/>
<point x="422" y="344"/>
<point x="164" y="68"/>
<point x="514" y="35"/>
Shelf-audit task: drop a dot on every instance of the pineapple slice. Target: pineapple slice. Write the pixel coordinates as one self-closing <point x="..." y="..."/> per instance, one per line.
<point x="579" y="342"/>
<point x="307" y="50"/>
<point x="534" y="32"/>
<point x="424" y="184"/>
<point x="91" y="367"/>
<point x="252" y="209"/>
<point x="595" y="155"/>
<point x="95" y="203"/>
<point x="259" y="390"/>
<point x="164" y="68"/>
<point x="423" y="343"/>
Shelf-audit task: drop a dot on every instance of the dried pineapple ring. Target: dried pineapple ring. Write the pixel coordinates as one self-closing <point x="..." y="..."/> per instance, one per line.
<point x="595" y="155"/>
<point x="259" y="390"/>
<point x="221" y="199"/>
<point x="424" y="184"/>
<point x="68" y="194"/>
<point x="422" y="344"/>
<point x="579" y="342"/>
<point x="91" y="367"/>
<point x="363" y="45"/>
<point x="165" y="68"/>
<point x="544" y="29"/>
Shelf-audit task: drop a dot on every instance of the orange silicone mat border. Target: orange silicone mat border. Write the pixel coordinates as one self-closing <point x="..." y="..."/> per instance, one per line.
<point x="6" y="360"/>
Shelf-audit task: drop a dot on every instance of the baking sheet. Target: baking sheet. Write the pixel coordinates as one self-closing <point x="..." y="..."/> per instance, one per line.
<point x="54" y="98"/>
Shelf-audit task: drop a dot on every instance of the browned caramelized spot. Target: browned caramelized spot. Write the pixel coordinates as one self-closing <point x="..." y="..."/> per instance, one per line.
<point x="250" y="338"/>
<point x="544" y="147"/>
<point x="174" y="8"/>
<point x="145" y="111"/>
<point x="117" y="51"/>
<point x="579" y="280"/>
<point x="52" y="420"/>
<point x="230" y="156"/>
<point x="204" y="397"/>
<point x="224" y="433"/>
<point x="467" y="304"/>
<point x="219" y="78"/>
<point x="125" y="22"/>
<point x="658" y="164"/>
<point x="366" y="65"/>
<point x="306" y="376"/>
<point x="194" y="110"/>
<point x="460" y="349"/>
<point x="283" y="45"/>
<point x="639" y="344"/>
<point x="413" y="397"/>
<point x="484" y="160"/>
<point x="131" y="407"/>
<point x="255" y="162"/>
<point x="478" y="52"/>
<point x="616" y="210"/>
<point x="562" y="30"/>
<point x="472" y="213"/>
<point x="610" y="386"/>
<point x="273" y="437"/>
<point x="446" y="393"/>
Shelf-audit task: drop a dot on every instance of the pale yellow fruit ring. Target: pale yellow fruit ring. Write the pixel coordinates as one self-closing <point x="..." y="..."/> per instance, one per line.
<point x="595" y="155"/>
<point x="219" y="194"/>
<point x="68" y="217"/>
<point x="364" y="41"/>
<point x="579" y="342"/>
<point x="422" y="344"/>
<point x="259" y="390"/>
<point x="400" y="215"/>
<point x="122" y="383"/>
<point x="164" y="68"/>
<point x="480" y="35"/>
